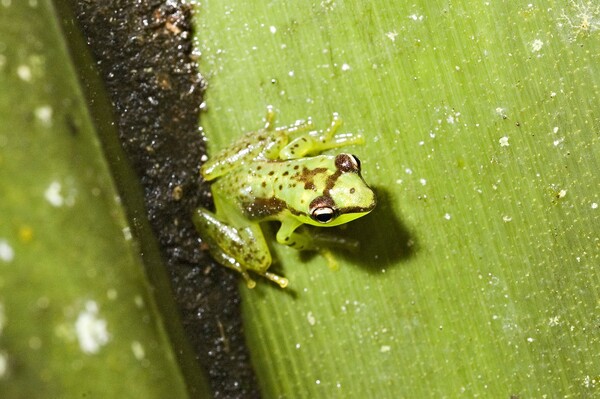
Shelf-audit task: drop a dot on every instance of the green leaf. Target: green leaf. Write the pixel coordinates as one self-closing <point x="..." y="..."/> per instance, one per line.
<point x="478" y="274"/>
<point x="76" y="315"/>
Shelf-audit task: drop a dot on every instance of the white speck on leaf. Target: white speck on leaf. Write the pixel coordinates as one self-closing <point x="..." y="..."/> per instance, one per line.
<point x="91" y="330"/>
<point x="447" y="216"/>
<point x="139" y="301"/>
<point x="392" y="35"/>
<point x="594" y="205"/>
<point x="24" y="73"/>
<point x="7" y="254"/>
<point x="44" y="114"/>
<point x="311" y="318"/>
<point x="504" y="141"/>
<point x="127" y="233"/>
<point x="537" y="45"/>
<point x="385" y="348"/>
<point x="3" y="364"/>
<point x="112" y="294"/>
<point x="138" y="350"/>
<point x="53" y="195"/>
<point x="554" y="321"/>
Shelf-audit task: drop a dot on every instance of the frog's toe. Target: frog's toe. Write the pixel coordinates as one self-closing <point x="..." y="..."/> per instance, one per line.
<point x="331" y="260"/>
<point x="281" y="281"/>
<point x="250" y="283"/>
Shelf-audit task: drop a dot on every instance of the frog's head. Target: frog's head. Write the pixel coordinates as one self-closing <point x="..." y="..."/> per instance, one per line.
<point x="345" y="196"/>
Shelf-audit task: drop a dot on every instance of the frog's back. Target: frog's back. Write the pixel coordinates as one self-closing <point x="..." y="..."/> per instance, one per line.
<point x="251" y="146"/>
<point x="259" y="188"/>
<point x="269" y="189"/>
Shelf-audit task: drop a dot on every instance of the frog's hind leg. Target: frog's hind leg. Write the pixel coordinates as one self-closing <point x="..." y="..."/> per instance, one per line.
<point x="299" y="126"/>
<point x="328" y="138"/>
<point x="317" y="141"/>
<point x="238" y="248"/>
<point x="220" y="238"/>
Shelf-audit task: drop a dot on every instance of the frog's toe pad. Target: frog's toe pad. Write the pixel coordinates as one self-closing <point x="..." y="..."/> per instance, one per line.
<point x="281" y="281"/>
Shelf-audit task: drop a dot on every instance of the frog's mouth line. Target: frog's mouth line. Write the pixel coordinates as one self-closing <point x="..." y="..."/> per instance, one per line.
<point x="357" y="209"/>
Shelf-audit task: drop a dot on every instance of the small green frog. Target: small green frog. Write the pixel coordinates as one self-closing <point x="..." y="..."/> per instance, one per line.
<point x="269" y="175"/>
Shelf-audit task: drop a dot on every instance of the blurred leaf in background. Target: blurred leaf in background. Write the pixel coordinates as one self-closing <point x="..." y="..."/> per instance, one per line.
<point x="75" y="315"/>
<point x="478" y="273"/>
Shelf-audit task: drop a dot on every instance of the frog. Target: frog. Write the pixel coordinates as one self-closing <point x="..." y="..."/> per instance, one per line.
<point x="280" y="174"/>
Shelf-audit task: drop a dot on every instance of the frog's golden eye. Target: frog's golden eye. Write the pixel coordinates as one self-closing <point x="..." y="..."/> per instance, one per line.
<point x="323" y="215"/>
<point x="347" y="163"/>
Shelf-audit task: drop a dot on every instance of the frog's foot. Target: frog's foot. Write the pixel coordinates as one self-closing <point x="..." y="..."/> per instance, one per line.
<point x="231" y="263"/>
<point x="249" y="282"/>
<point x="331" y="260"/>
<point x="281" y="281"/>
<point x="299" y="126"/>
<point x="270" y="118"/>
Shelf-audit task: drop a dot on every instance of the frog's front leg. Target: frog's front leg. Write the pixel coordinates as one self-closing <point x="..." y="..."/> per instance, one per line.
<point x="291" y="234"/>
<point x="317" y="141"/>
<point x="287" y="235"/>
<point x="241" y="248"/>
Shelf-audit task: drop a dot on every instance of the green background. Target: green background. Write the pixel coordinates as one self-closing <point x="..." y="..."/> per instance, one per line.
<point x="478" y="273"/>
<point x="76" y="316"/>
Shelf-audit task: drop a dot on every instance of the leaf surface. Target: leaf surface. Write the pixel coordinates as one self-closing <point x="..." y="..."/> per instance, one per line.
<point x="478" y="271"/>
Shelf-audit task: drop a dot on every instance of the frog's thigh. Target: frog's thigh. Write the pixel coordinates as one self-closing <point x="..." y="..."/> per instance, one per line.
<point x="245" y="244"/>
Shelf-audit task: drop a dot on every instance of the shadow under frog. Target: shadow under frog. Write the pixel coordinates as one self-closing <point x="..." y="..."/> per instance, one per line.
<point x="375" y="242"/>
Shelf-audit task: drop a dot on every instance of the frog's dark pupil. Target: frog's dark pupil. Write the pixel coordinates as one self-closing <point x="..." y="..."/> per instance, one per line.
<point x="323" y="215"/>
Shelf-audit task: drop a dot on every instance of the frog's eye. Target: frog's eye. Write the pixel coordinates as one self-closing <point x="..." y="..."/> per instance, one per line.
<point x="347" y="163"/>
<point x="322" y="209"/>
<point x="323" y="215"/>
